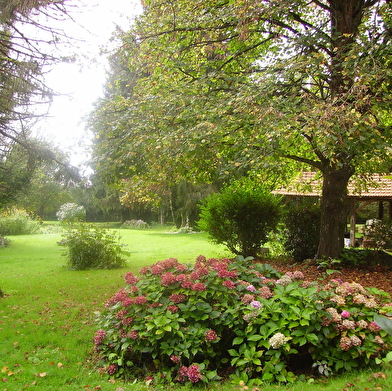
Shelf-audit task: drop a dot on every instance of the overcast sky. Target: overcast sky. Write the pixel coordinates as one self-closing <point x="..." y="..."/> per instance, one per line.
<point x="81" y="83"/>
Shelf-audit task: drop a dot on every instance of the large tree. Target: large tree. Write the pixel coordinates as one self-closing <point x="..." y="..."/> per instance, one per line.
<point x="253" y="84"/>
<point x="28" y="45"/>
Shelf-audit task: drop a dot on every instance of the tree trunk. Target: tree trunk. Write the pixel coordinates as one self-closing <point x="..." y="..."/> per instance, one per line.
<point x="334" y="212"/>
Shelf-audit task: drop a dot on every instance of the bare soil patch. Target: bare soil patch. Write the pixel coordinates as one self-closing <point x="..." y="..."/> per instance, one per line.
<point x="373" y="276"/>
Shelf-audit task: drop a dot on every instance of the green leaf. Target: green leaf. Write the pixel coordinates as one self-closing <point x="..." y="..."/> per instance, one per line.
<point x="384" y="322"/>
<point x="255" y="337"/>
<point x="232" y="352"/>
<point x="238" y="340"/>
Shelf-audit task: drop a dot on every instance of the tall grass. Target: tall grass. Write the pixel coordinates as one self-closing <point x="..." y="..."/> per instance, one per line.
<point x="47" y="318"/>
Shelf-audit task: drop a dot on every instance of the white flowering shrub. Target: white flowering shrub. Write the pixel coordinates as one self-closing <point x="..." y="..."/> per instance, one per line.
<point x="71" y="212"/>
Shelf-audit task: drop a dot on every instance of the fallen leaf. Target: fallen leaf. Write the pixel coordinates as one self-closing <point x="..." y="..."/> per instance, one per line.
<point x="4" y="370"/>
<point x="380" y="375"/>
<point x="42" y="374"/>
<point x="59" y="365"/>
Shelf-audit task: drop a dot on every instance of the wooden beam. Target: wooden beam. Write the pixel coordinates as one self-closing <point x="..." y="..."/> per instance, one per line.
<point x="353" y="221"/>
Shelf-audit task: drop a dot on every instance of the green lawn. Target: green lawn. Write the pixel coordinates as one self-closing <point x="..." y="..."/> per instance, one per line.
<point x="47" y="319"/>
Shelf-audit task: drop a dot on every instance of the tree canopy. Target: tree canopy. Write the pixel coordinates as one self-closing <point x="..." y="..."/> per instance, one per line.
<point x="238" y="86"/>
<point x="28" y="46"/>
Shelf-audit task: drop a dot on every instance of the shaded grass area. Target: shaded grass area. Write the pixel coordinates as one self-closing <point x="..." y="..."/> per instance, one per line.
<point x="47" y="319"/>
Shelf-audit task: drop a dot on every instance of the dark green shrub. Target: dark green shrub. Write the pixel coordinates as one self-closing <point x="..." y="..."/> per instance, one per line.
<point x="302" y="229"/>
<point x="379" y="234"/>
<point x="364" y="258"/>
<point x="240" y="217"/>
<point x="93" y="247"/>
<point x="223" y="318"/>
<point x="16" y="221"/>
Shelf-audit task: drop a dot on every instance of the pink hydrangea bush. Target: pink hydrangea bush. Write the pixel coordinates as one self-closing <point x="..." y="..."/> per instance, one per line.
<point x="221" y="317"/>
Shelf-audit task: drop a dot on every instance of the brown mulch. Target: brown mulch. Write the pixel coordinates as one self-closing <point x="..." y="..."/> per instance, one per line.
<point x="377" y="276"/>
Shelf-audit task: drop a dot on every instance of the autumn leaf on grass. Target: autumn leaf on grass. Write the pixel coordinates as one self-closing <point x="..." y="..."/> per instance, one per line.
<point x="379" y="375"/>
<point x="7" y="371"/>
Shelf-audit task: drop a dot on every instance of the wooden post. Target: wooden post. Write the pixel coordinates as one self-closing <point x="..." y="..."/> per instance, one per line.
<point x="380" y="210"/>
<point x="353" y="222"/>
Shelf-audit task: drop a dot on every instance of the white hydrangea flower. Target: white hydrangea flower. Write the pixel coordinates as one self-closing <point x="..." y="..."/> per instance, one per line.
<point x="277" y="340"/>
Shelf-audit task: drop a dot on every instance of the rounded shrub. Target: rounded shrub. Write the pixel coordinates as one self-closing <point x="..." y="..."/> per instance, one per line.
<point x="302" y="228"/>
<point x="71" y="212"/>
<point x="228" y="318"/>
<point x="93" y="247"/>
<point x="241" y="217"/>
<point x="16" y="221"/>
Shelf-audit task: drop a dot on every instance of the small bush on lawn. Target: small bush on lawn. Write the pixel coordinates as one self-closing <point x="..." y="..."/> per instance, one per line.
<point x="16" y="221"/>
<point x="302" y="229"/>
<point x="93" y="247"/>
<point x="135" y="224"/>
<point x="241" y="217"/>
<point x="223" y="318"/>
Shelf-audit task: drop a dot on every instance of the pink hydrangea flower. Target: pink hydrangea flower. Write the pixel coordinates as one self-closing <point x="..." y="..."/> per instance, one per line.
<point x="265" y="292"/>
<point x="121" y="295"/>
<point x="251" y="288"/>
<point x="177" y="298"/>
<point x="211" y="335"/>
<point x="181" y="277"/>
<point x="130" y="278"/>
<point x="247" y="298"/>
<point x="99" y="337"/>
<point x="228" y="284"/>
<point x="345" y="314"/>
<point x="112" y="369"/>
<point x="140" y="300"/>
<point x="156" y="270"/>
<point x="255" y="304"/>
<point x="373" y="326"/>
<point x="201" y="258"/>
<point x="181" y="267"/>
<point x="199" y="287"/>
<point x="194" y="276"/>
<point x="133" y="334"/>
<point x="121" y="314"/>
<point x="144" y="270"/>
<point x="128" y="302"/>
<point x="133" y="289"/>
<point x="202" y="271"/>
<point x="193" y="373"/>
<point x="222" y="273"/>
<point x="127" y="321"/>
<point x="172" y="308"/>
<point x="187" y="284"/>
<point x="175" y="359"/>
<point x="168" y="279"/>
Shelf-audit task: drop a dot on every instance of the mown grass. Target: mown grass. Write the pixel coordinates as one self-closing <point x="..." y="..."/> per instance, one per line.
<point x="47" y="318"/>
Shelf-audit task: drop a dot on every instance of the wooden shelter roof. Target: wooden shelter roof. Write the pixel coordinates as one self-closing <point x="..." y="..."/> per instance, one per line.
<point x="377" y="187"/>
